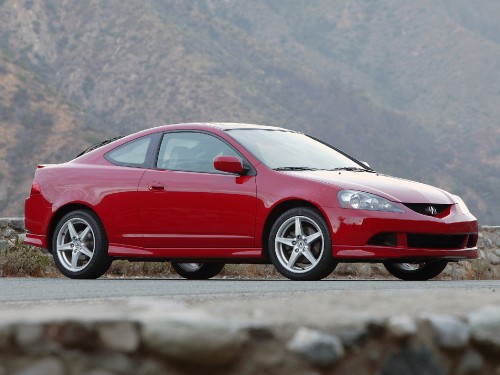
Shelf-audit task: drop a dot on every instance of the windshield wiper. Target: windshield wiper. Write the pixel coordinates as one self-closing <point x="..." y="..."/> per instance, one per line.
<point x="295" y="169"/>
<point x="353" y="169"/>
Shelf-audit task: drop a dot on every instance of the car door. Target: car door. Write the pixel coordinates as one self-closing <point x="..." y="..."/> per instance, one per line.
<point x="185" y="203"/>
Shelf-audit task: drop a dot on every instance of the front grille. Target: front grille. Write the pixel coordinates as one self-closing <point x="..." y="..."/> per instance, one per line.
<point x="472" y="241"/>
<point x="436" y="241"/>
<point x="425" y="208"/>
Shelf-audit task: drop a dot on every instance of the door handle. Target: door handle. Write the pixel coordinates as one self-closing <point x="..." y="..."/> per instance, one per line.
<point x="156" y="186"/>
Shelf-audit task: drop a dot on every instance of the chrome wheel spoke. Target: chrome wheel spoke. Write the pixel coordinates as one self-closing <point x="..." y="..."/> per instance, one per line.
<point x="65" y="247"/>
<point x="84" y="233"/>
<point x="313" y="237"/>
<point x="308" y="255"/>
<point x="74" y="259"/>
<point x="293" y="259"/>
<point x="72" y="231"/>
<point x="298" y="227"/>
<point x="86" y="252"/>
<point x="285" y="241"/>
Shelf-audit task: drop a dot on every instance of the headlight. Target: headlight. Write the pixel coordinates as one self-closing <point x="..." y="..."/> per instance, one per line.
<point x="461" y="204"/>
<point x="359" y="200"/>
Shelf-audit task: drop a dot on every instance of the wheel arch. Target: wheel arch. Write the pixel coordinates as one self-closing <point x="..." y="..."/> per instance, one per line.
<point x="59" y="214"/>
<point x="278" y="210"/>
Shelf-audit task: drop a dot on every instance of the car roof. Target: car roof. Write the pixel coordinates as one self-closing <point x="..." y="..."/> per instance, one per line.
<point x="218" y="125"/>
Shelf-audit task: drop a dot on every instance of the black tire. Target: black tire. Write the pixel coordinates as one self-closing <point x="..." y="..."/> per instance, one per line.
<point x="417" y="271"/>
<point x="86" y="256"/>
<point x="293" y="256"/>
<point x="197" y="271"/>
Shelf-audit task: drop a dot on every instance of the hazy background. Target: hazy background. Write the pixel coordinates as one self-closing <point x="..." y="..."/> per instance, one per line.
<point x="412" y="87"/>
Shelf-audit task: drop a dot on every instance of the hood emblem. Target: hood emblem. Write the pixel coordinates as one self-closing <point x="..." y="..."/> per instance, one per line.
<point x="431" y="210"/>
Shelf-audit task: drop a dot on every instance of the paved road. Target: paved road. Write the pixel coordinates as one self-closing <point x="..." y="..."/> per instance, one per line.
<point x="282" y="302"/>
<point x="42" y="290"/>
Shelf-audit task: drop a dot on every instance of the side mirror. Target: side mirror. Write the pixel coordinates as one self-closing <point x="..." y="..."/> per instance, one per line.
<point x="230" y="164"/>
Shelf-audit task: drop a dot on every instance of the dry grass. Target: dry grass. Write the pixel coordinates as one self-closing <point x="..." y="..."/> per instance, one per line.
<point x="25" y="261"/>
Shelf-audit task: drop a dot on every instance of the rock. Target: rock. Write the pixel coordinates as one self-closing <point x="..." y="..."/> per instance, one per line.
<point x="450" y="332"/>
<point x="401" y="326"/>
<point x="46" y="366"/>
<point x="17" y="224"/>
<point x="26" y="335"/>
<point x="485" y="326"/>
<point x="497" y="252"/>
<point x="351" y="336"/>
<point x="3" y="246"/>
<point x="194" y="339"/>
<point x="120" y="336"/>
<point x="494" y="259"/>
<point x="471" y="363"/>
<point x="319" y="348"/>
<point x="4" y="223"/>
<point x="413" y="360"/>
<point x="71" y="334"/>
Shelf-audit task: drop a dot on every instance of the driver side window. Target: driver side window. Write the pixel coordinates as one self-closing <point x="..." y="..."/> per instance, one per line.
<point x="191" y="152"/>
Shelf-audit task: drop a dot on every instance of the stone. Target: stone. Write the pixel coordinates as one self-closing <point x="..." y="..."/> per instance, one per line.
<point x="28" y="334"/>
<point x="470" y="364"/>
<point x="413" y="360"/>
<point x="4" y="223"/>
<point x="70" y="334"/>
<point x="45" y="366"/>
<point x="497" y="252"/>
<point x="401" y="326"/>
<point x="120" y="336"/>
<point x="494" y="259"/>
<point x="485" y="326"/>
<point x="194" y="339"/>
<point x="318" y="348"/>
<point x="17" y="224"/>
<point x="99" y="371"/>
<point x="351" y="336"/>
<point x="450" y="332"/>
<point x="3" y="246"/>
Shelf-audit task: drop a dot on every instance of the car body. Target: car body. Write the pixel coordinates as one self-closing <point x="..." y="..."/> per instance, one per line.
<point x="204" y="194"/>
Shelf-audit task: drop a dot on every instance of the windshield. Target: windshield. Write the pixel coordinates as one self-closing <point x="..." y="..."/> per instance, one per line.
<point x="286" y="150"/>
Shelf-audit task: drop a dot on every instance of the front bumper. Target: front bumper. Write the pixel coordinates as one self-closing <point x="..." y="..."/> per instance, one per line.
<point x="359" y="235"/>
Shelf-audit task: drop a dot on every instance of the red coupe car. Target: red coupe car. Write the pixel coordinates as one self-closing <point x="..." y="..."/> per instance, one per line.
<point x="202" y="195"/>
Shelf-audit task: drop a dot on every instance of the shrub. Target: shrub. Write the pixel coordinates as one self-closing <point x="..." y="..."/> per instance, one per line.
<point x="22" y="261"/>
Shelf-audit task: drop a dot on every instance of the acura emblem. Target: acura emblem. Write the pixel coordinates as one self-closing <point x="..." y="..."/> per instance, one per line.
<point x="431" y="210"/>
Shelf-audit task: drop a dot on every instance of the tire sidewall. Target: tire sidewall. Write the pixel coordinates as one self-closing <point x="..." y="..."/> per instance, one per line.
<point x="326" y="264"/>
<point x="100" y="261"/>
<point x="206" y="270"/>
<point x="427" y="272"/>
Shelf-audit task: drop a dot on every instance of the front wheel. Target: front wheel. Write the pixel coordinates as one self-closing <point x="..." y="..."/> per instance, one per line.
<point x="416" y="271"/>
<point x="80" y="246"/>
<point x="197" y="271"/>
<point x="300" y="245"/>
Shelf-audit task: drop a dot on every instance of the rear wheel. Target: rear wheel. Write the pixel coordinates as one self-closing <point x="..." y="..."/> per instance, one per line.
<point x="300" y="245"/>
<point x="416" y="271"/>
<point x="197" y="271"/>
<point x="80" y="246"/>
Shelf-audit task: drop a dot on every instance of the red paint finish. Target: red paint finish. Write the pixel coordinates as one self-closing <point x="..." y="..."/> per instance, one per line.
<point x="149" y="212"/>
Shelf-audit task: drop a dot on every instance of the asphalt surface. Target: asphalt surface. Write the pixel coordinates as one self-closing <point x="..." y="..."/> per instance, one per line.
<point x="43" y="290"/>
<point x="278" y="302"/>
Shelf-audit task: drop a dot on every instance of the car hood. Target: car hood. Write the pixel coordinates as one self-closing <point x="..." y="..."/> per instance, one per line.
<point x="392" y="188"/>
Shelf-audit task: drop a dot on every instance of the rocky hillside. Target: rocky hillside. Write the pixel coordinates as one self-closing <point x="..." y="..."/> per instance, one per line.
<point x="411" y="88"/>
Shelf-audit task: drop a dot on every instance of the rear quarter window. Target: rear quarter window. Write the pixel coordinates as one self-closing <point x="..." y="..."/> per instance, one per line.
<point x="131" y="154"/>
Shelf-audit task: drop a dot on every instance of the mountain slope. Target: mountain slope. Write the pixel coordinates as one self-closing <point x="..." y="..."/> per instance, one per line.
<point x="392" y="82"/>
